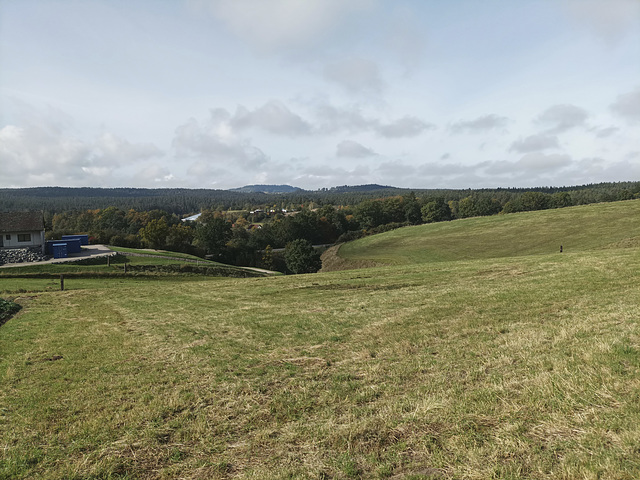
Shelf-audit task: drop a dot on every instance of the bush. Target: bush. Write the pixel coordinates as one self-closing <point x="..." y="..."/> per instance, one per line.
<point x="115" y="258"/>
<point x="350" y="235"/>
<point x="356" y="234"/>
<point x="387" y="227"/>
<point x="7" y="309"/>
<point x="301" y="257"/>
<point x="117" y="241"/>
<point x="181" y="269"/>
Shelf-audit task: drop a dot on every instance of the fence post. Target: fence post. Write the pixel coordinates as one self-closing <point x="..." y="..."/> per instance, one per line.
<point x="61" y="282"/>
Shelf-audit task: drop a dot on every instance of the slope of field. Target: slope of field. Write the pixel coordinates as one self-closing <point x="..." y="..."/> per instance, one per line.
<point x="577" y="229"/>
<point x="520" y="368"/>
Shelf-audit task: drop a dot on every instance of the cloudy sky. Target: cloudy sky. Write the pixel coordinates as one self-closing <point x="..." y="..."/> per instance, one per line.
<point x="319" y="93"/>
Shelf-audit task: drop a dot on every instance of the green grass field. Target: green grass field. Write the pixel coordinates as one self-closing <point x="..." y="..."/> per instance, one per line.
<point x="577" y="229"/>
<point x="515" y="367"/>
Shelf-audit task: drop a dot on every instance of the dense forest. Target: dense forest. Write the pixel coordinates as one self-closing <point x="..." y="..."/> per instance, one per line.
<point x="183" y="201"/>
<point x="248" y="228"/>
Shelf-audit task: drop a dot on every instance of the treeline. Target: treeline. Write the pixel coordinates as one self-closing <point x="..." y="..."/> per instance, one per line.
<point x="231" y="237"/>
<point x="182" y="201"/>
<point x="248" y="237"/>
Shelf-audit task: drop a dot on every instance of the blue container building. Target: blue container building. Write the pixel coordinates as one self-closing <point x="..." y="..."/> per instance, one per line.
<point x="59" y="250"/>
<point x="72" y="246"/>
<point x="84" y="239"/>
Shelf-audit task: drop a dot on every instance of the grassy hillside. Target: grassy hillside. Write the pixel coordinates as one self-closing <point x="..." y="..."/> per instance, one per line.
<point x="517" y="368"/>
<point x="577" y="229"/>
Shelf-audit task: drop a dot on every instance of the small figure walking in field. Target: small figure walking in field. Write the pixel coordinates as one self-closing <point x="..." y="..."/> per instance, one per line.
<point x="560" y="248"/>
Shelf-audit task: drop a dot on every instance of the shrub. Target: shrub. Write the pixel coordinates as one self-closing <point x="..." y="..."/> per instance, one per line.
<point x="301" y="257"/>
<point x="350" y="235"/>
<point x="387" y="227"/>
<point x="7" y="309"/>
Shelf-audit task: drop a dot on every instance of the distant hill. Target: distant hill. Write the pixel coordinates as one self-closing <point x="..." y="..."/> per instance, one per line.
<point x="361" y="188"/>
<point x="267" y="189"/>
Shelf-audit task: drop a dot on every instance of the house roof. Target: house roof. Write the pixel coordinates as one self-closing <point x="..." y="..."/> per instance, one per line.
<point x="21" y="222"/>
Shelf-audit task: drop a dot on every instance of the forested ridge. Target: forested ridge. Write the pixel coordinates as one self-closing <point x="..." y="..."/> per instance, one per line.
<point x="183" y="201"/>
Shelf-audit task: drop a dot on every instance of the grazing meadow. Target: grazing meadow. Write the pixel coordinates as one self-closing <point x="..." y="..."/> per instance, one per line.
<point x="441" y="365"/>
<point x="577" y="229"/>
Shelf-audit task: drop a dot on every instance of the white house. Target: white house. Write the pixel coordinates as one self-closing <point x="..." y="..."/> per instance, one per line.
<point x="22" y="230"/>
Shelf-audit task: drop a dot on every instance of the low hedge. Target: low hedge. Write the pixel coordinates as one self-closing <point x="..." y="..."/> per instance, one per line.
<point x="149" y="270"/>
<point x="214" y="271"/>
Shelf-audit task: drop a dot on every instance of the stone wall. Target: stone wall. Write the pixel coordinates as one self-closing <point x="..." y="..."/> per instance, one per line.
<point x="22" y="255"/>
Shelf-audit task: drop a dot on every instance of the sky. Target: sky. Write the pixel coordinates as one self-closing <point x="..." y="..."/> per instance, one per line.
<point x="319" y="93"/>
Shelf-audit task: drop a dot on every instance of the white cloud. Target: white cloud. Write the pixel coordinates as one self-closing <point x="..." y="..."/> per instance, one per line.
<point x="443" y="169"/>
<point x="110" y="150"/>
<point x="274" y="117"/>
<point x="628" y="105"/>
<point x="352" y="149"/>
<point x="351" y="119"/>
<point x="395" y="170"/>
<point x="481" y="124"/>
<point x="34" y="154"/>
<point x="530" y="166"/>
<point x="405" y="38"/>
<point x="596" y="169"/>
<point x="395" y="173"/>
<point x="333" y="119"/>
<point x="284" y="24"/>
<point x="540" y="162"/>
<point x="355" y="75"/>
<point x="604" y="132"/>
<point x="32" y="150"/>
<point x="154" y="174"/>
<point x="534" y="143"/>
<point x="205" y="169"/>
<point x="610" y="19"/>
<point x="560" y="118"/>
<point x="406" y="126"/>
<point x="215" y="142"/>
